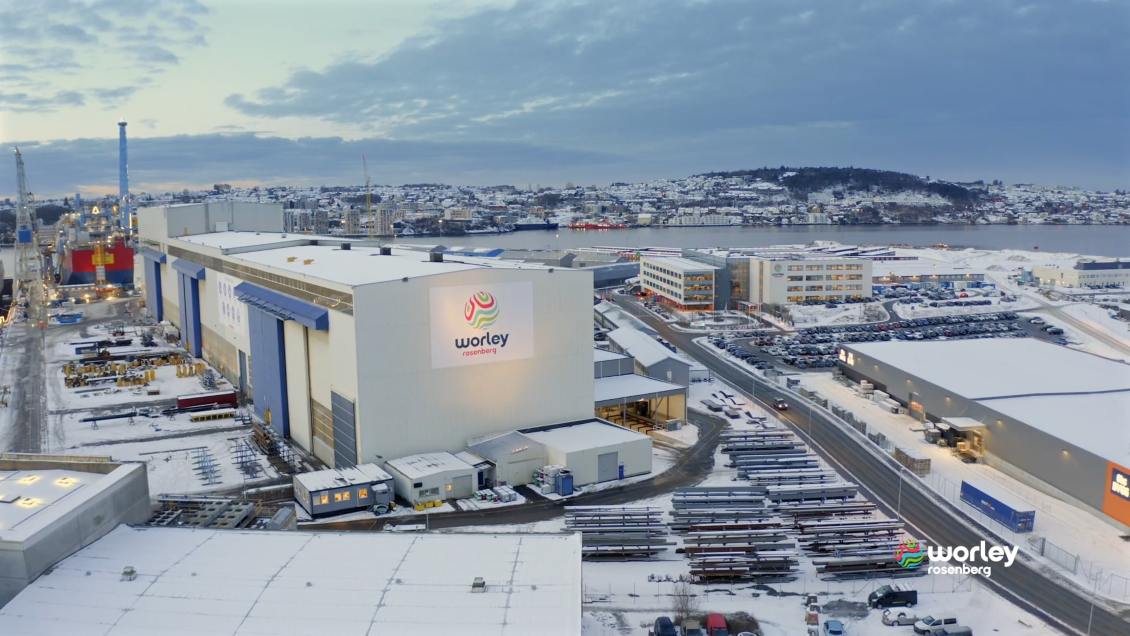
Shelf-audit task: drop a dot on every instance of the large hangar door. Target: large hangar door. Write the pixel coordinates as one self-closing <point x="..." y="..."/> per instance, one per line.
<point x="608" y="466"/>
<point x="268" y="374"/>
<point x="189" y="275"/>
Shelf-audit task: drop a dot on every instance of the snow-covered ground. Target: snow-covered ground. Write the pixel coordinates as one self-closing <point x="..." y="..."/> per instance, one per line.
<point x="172" y="447"/>
<point x="917" y="310"/>
<point x="819" y="315"/>
<point x="1061" y="523"/>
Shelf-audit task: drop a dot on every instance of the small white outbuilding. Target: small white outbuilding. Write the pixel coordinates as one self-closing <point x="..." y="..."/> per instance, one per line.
<point x="594" y="450"/>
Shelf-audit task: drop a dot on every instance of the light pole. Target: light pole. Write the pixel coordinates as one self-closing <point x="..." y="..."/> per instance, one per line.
<point x="898" y="504"/>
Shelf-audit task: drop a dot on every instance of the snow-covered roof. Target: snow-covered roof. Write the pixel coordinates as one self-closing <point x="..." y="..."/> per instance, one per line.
<point x="417" y="466"/>
<point x="360" y="265"/>
<point x="997" y="367"/>
<point x="616" y="389"/>
<point x="341" y="477"/>
<point x="922" y="268"/>
<point x="258" y="582"/>
<point x="30" y="500"/>
<point x="503" y="446"/>
<point x="604" y="355"/>
<point x="680" y="264"/>
<point x="1097" y="423"/>
<point x="645" y="349"/>
<point x="585" y="435"/>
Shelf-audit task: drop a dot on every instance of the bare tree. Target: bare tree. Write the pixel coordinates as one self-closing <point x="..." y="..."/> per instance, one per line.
<point x="684" y="602"/>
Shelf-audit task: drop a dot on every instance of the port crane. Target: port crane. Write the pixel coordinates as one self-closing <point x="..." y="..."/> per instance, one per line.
<point x="29" y="261"/>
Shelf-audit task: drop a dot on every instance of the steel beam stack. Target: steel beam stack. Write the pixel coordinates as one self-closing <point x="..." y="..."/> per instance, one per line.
<point x="618" y="532"/>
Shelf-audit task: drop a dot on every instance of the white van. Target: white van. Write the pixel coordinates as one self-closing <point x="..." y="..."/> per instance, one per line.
<point x="934" y="623"/>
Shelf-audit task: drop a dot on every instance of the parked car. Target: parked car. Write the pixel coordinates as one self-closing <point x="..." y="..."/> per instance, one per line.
<point x="889" y="595"/>
<point x="716" y="625"/>
<point x="833" y="628"/>
<point x="780" y="404"/>
<point x="663" y="627"/>
<point x="901" y="618"/>
<point x="934" y="623"/>
<point x="1036" y="321"/>
<point x="693" y="628"/>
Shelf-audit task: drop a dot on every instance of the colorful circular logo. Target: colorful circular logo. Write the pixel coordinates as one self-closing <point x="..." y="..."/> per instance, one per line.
<point x="481" y="311"/>
<point x="778" y="267"/>
<point x="910" y="554"/>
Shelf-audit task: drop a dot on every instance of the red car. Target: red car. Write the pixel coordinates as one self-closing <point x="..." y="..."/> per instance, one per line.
<point x="716" y="625"/>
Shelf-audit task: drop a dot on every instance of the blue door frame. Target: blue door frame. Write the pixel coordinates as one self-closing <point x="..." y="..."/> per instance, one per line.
<point x="268" y="373"/>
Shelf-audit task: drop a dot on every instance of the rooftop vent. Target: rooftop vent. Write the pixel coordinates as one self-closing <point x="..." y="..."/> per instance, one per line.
<point x="307" y="261"/>
<point x="386" y="250"/>
<point x="437" y="257"/>
<point x="346" y="246"/>
<point x="479" y="585"/>
<point x="128" y="573"/>
<point x="291" y="259"/>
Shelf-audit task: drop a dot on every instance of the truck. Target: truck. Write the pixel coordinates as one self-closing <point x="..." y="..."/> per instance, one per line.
<point x="1000" y="507"/>
<point x="889" y="595"/>
<point x="211" y="398"/>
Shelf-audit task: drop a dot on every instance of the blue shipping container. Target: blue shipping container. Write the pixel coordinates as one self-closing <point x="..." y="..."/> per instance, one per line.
<point x="1012" y="517"/>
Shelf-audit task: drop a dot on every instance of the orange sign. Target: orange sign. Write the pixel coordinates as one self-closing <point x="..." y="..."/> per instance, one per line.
<point x="1116" y="497"/>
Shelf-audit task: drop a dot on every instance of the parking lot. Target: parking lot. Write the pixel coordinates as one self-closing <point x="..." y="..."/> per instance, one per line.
<point x="815" y="348"/>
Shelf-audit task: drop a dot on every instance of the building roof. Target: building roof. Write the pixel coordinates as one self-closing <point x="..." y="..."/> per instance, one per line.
<point x="922" y="268"/>
<point x="604" y="355"/>
<point x="645" y="349"/>
<point x="362" y="264"/>
<point x="42" y="497"/>
<point x="571" y="438"/>
<point x="417" y="466"/>
<point x="1097" y="423"/>
<point x="618" y="389"/>
<point x="503" y="446"/>
<point x="261" y="582"/>
<point x="998" y="367"/>
<point x="679" y="263"/>
<point x="341" y="477"/>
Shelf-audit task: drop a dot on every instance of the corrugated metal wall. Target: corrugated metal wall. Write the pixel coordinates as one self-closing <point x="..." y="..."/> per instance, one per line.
<point x="189" y="293"/>
<point x="345" y="431"/>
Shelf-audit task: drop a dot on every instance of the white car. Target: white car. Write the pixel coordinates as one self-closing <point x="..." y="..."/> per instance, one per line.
<point x="900" y="618"/>
<point x="1036" y="321"/>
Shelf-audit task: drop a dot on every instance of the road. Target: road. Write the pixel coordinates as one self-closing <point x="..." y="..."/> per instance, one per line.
<point x="1057" y="313"/>
<point x="23" y="355"/>
<point x="1022" y="584"/>
<point x="690" y="467"/>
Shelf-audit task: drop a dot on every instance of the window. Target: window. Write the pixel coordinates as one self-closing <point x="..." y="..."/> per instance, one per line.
<point x="795" y="288"/>
<point x="418" y="484"/>
<point x="324" y="499"/>
<point x="815" y="288"/>
<point x="814" y="268"/>
<point x="794" y="299"/>
<point x="814" y="277"/>
<point x="837" y="267"/>
<point x="836" y="277"/>
<point x="337" y="497"/>
<point x="362" y="493"/>
<point x="854" y="267"/>
<point x="345" y="496"/>
<point x="449" y="488"/>
<point x="430" y="492"/>
<point x="855" y="276"/>
<point x="796" y="268"/>
<point x="795" y="278"/>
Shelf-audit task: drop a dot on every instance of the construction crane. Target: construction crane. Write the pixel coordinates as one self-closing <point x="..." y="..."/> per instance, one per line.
<point x="369" y="199"/>
<point x="29" y="262"/>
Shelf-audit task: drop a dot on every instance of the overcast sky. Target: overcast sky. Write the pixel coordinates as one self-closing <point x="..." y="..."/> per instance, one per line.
<point x="545" y="91"/>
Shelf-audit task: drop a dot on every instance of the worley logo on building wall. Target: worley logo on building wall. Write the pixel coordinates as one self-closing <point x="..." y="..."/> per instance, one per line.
<point x="910" y="555"/>
<point x="481" y="323"/>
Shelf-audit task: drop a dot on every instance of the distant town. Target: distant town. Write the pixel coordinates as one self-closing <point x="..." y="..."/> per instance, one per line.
<point x="766" y="197"/>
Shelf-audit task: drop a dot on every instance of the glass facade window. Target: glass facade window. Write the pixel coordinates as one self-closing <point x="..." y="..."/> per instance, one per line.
<point x="796" y="268"/>
<point x="814" y="268"/>
<point x="795" y="278"/>
<point x="362" y="493"/>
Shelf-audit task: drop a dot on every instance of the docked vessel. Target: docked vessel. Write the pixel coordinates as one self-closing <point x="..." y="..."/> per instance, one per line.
<point x="93" y="249"/>
<point x="534" y="223"/>
<point x="596" y="225"/>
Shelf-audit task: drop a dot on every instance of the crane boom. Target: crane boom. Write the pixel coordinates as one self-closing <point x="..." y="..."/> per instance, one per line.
<point x="29" y="264"/>
<point x="368" y="199"/>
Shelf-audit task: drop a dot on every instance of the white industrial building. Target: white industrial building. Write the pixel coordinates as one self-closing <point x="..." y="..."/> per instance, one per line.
<point x="681" y="282"/>
<point x="235" y="583"/>
<point x="1102" y="272"/>
<point x="361" y="353"/>
<point x="432" y="477"/>
<point x="651" y="358"/>
<point x="918" y="273"/>
<point x="52" y="506"/>
<point x="794" y="278"/>
<point x="514" y="458"/>
<point x="594" y="450"/>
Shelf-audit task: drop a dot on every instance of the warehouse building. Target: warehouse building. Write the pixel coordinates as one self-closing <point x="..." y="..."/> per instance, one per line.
<point x="609" y="363"/>
<point x="358" y="352"/>
<point x="652" y="358"/>
<point x="513" y="458"/>
<point x="1047" y="415"/>
<point x="197" y="581"/>
<point x="594" y="450"/>
<point x="685" y="284"/>
<point x="339" y="490"/>
<point x="917" y="274"/>
<point x="54" y="505"/>
<point x="433" y="477"/>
